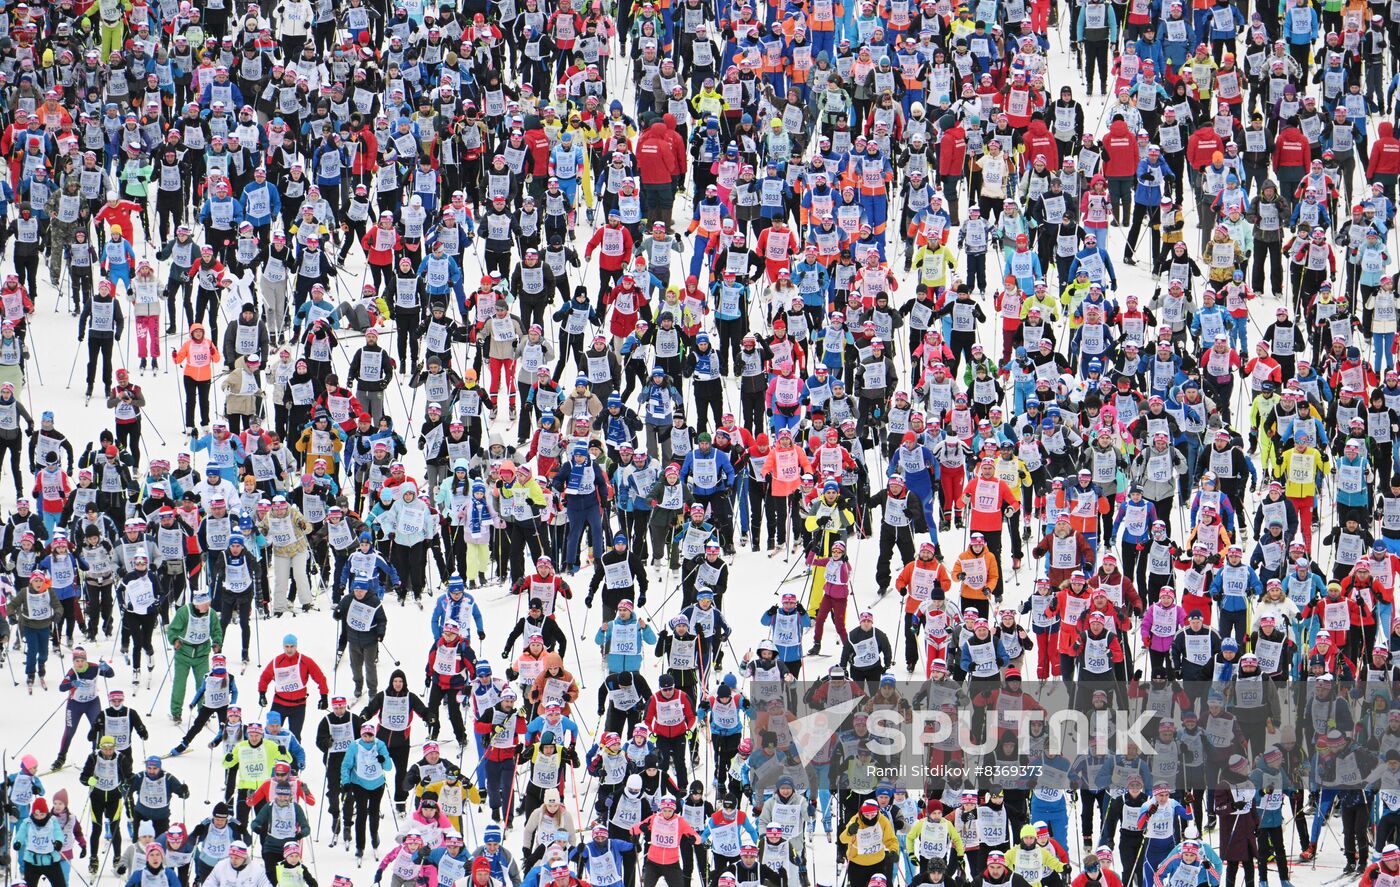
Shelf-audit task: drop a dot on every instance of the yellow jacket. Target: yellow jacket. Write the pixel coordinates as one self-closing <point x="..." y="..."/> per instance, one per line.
<point x="850" y="836"/>
<point x="1297" y="467"/>
<point x="1034" y="864"/>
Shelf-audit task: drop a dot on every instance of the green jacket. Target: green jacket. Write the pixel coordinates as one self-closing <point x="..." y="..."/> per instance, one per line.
<point x="178" y="631"/>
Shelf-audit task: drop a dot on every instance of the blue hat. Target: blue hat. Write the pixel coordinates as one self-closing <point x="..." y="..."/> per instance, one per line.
<point x="455" y="583"/>
<point x="658" y="371"/>
<point x="1047" y="423"/>
<point x="236" y="539"/>
<point x="887" y="678"/>
<point x="614" y="400"/>
<point x="620" y="539"/>
<point x="46" y="416"/>
<point x="547" y="419"/>
<point x="213" y="471"/>
<point x="153" y="759"/>
<point x="483" y="667"/>
<point x="831" y="486"/>
<point x="359" y="582"/>
<point x="1095" y="366"/>
<point x="289" y="640"/>
<point x="492" y="833"/>
<point x="274" y="717"/>
<point x="581" y="380"/>
<point x="702" y="338"/>
<point x="1229" y="645"/>
<point x="366" y="536"/>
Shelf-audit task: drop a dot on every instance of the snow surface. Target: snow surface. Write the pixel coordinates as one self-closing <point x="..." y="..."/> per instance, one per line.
<point x="754" y="582"/>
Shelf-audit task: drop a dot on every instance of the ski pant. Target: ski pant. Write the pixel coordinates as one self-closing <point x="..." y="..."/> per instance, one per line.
<point x="184" y="667"/>
<point x="54" y="872"/>
<point x="138" y="630"/>
<point x="243" y="601"/>
<point x="580" y="518"/>
<point x="284" y="568"/>
<point x="106" y="807"/>
<point x="890" y="538"/>
<point x="436" y="696"/>
<point x="196" y="389"/>
<point x="99" y="347"/>
<point x="202" y="719"/>
<point x="652" y="874"/>
<point x="366" y="802"/>
<point x="364" y="667"/>
<point x="835" y="607"/>
<point x="340" y="799"/>
<point x="73" y="715"/>
<point x="1271" y="841"/>
<point x="36" y="651"/>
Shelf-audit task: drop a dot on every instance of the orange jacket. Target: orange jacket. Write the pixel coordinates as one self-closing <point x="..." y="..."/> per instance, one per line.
<point x="197" y="357"/>
<point x="904" y="582"/>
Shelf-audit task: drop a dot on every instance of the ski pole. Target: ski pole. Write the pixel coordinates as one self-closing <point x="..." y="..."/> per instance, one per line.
<point x="26" y="742"/>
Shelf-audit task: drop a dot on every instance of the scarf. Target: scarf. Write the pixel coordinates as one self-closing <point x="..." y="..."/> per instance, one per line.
<point x="578" y="472"/>
<point x="478" y="513"/>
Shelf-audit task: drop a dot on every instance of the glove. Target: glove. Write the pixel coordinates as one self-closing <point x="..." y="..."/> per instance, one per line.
<point x="262" y="699"/>
<point x="642" y="600"/>
<point x="588" y="600"/>
<point x="852" y="829"/>
<point x="82" y="854"/>
<point x="338" y="657"/>
<point x="80" y="334"/>
<point x="505" y="654"/>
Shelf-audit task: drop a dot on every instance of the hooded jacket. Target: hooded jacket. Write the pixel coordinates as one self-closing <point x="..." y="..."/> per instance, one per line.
<point x="656" y="156"/>
<point x="1292" y="151"/>
<point x="1120" y="146"/>
<point x="1038" y="140"/>
<point x="1385" y="153"/>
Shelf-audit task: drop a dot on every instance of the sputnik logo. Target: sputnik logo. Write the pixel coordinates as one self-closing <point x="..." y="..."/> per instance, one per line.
<point x="812" y="732"/>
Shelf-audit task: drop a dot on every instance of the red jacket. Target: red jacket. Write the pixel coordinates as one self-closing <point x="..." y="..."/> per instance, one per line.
<point x="952" y="151"/>
<point x="656" y="157"/>
<point x="1291" y="149"/>
<point x="1385" y="153"/>
<point x="606" y="261"/>
<point x="1039" y="141"/>
<point x="538" y="143"/>
<point x="678" y="146"/>
<point x="669" y="731"/>
<point x="1120" y="150"/>
<point x="307" y="671"/>
<point x="1202" y="145"/>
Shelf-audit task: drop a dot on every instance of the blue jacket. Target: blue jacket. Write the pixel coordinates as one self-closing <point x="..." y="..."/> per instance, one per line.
<point x="788" y="652"/>
<point x="54" y="833"/>
<point x="349" y="767"/>
<point x="724" y="470"/>
<point x="274" y="204"/>
<point x="646" y="636"/>
<point x="460" y="610"/>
